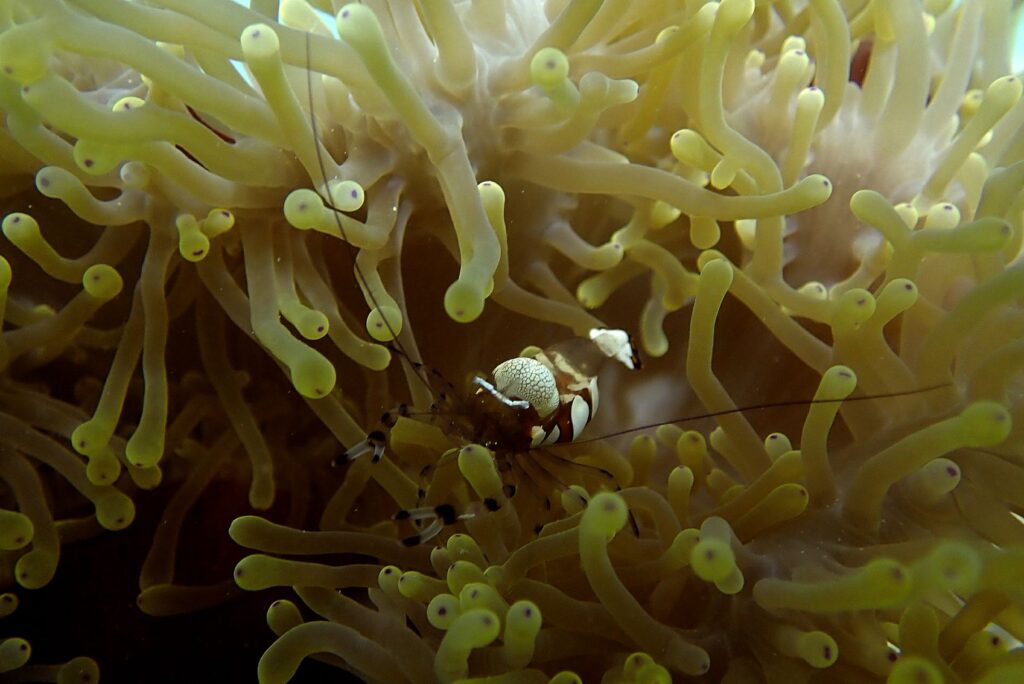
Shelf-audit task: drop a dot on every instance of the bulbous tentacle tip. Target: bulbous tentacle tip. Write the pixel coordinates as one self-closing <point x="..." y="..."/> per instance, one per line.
<point x="384" y="323"/>
<point x="14" y="653"/>
<point x="986" y="423"/>
<point x="36" y="568"/>
<point x="80" y="670"/>
<point x="463" y="302"/>
<point x="914" y="669"/>
<point x="712" y="560"/>
<point x="313" y="375"/>
<point x="347" y="195"/>
<point x="259" y="41"/>
<point x="359" y="26"/>
<point x="607" y="513"/>
<point x="102" y="282"/>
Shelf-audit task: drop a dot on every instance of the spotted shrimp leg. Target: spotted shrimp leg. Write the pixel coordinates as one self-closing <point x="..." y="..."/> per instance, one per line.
<point x="442" y="516"/>
<point x="439" y="517"/>
<point x="375" y="441"/>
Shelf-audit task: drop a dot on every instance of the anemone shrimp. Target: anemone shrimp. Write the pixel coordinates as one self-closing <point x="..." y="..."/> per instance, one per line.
<point x="512" y="420"/>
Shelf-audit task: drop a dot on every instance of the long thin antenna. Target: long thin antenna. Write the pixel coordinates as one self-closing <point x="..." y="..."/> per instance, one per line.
<point x="325" y="196"/>
<point x="759" y="407"/>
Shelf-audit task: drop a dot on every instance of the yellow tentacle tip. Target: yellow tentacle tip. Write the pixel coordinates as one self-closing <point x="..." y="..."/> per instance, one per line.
<point x="81" y="670"/>
<point x="135" y="175"/>
<point x="259" y="41"/>
<point x="193" y="244"/>
<point x="387" y="578"/>
<point x="8" y="603"/>
<point x="887" y="578"/>
<point x="359" y="27"/>
<point x="92" y="156"/>
<point x="251" y="572"/>
<point x="476" y="463"/>
<point x="463" y="302"/>
<point x="1004" y="92"/>
<point x="606" y="513"/>
<point x="837" y="383"/>
<point x="471" y="630"/>
<point x="103" y="467"/>
<point x="854" y="307"/>
<point x="384" y="323"/>
<point x="985" y="423"/>
<point x="36" y="568"/>
<point x="712" y="560"/>
<point x="417" y="586"/>
<point x="549" y="67"/>
<point x="814" y="290"/>
<point x="145" y="447"/>
<point x="482" y="627"/>
<point x="312" y="374"/>
<point x="718" y="264"/>
<point x="777" y="444"/>
<point x="23" y="54"/>
<point x="640" y="667"/>
<point x="21" y="229"/>
<point x="735" y="13"/>
<point x="940" y="215"/>
<point x="126" y="104"/>
<point x="114" y="510"/>
<point x="443" y="610"/>
<point x="91" y="437"/>
<point x="951" y="566"/>
<point x="491" y="194"/>
<point x="463" y="547"/>
<point x="931" y="483"/>
<point x="461" y="573"/>
<point x="303" y="209"/>
<point x="282" y="615"/>
<point x="218" y="221"/>
<point x="311" y="324"/>
<point x="815" y="189"/>
<point x="817" y="649"/>
<point x="347" y="195"/>
<point x="900" y="294"/>
<point x="14" y="652"/>
<point x="915" y="670"/>
<point x="102" y="282"/>
<point x="16" y="530"/>
<point x="523" y="620"/>
<point x="53" y="181"/>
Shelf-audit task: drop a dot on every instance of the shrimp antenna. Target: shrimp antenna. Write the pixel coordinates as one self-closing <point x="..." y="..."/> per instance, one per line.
<point x="325" y="196"/>
<point x="763" y="407"/>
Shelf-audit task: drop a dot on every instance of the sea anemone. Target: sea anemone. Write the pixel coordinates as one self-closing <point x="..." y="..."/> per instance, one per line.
<point x="810" y="211"/>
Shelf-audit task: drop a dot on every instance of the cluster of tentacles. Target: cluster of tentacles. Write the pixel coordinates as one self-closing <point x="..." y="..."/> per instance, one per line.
<point x="221" y="221"/>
